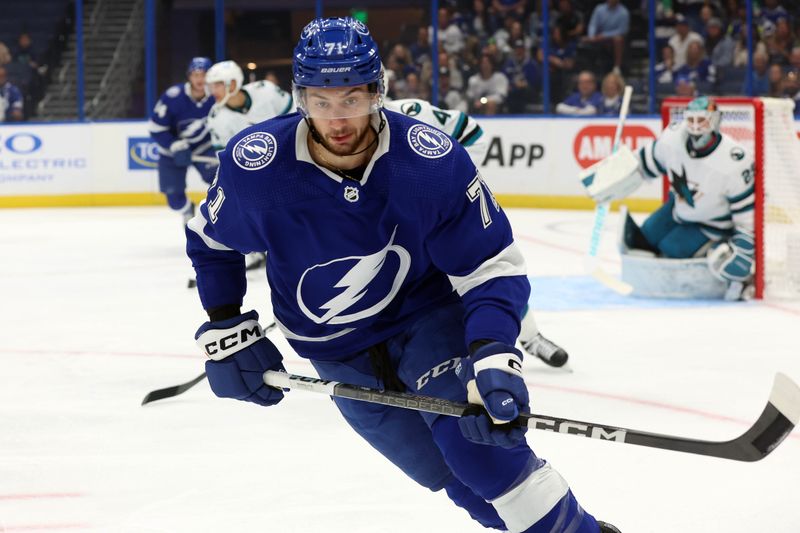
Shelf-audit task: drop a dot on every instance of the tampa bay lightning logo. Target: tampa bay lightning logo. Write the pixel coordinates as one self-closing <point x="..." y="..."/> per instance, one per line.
<point x="360" y="27"/>
<point x="255" y="151"/>
<point x="352" y="288"/>
<point x="429" y="142"/>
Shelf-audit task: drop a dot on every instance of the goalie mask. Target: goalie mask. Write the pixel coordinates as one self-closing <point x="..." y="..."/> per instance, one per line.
<point x="225" y="72"/>
<point x="702" y="119"/>
<point x="337" y="53"/>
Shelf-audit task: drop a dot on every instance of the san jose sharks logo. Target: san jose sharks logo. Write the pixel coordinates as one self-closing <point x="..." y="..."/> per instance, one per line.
<point x="681" y="186"/>
<point x="255" y="151"/>
<point x="428" y="141"/>
<point x="412" y="109"/>
<point x="352" y="288"/>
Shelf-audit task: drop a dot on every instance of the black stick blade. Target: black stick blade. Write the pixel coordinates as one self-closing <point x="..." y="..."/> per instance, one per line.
<point x="169" y="392"/>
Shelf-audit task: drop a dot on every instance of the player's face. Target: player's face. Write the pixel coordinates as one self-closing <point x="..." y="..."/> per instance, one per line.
<point x="217" y="90"/>
<point x="197" y="79"/>
<point x="341" y="116"/>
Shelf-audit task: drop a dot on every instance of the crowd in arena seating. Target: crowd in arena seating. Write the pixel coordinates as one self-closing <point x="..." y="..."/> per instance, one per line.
<point x="491" y="55"/>
<point x="21" y="78"/>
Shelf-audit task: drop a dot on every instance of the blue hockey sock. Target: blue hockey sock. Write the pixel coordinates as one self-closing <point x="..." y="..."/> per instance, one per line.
<point x="479" y="509"/>
<point x="177" y="201"/>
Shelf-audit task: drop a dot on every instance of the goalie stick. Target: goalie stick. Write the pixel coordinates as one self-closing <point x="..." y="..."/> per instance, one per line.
<point x="175" y="390"/>
<point x="780" y="415"/>
<point x="601" y="211"/>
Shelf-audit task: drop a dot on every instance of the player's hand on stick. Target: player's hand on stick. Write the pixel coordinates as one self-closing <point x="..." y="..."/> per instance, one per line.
<point x="493" y="379"/>
<point x="239" y="354"/>
<point x="181" y="154"/>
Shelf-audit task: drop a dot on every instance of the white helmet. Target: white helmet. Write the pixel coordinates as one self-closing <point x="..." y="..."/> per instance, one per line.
<point x="226" y="72"/>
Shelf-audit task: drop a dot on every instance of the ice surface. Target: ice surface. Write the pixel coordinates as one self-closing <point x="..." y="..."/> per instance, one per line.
<point x="95" y="313"/>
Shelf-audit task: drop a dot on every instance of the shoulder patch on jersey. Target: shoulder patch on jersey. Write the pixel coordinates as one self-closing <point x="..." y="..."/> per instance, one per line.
<point x="411" y="109"/>
<point x="255" y="151"/>
<point x="173" y="91"/>
<point x="737" y="154"/>
<point x="429" y="142"/>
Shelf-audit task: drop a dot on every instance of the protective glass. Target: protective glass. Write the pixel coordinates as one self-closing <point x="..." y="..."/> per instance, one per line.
<point x="337" y="103"/>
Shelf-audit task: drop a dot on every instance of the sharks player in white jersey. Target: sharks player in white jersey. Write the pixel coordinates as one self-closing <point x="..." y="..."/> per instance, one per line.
<point x="238" y="106"/>
<point x="711" y="204"/>
<point x="391" y="266"/>
<point x="469" y="134"/>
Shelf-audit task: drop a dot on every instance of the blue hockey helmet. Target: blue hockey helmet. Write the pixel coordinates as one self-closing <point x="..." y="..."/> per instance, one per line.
<point x="337" y="52"/>
<point x="198" y="63"/>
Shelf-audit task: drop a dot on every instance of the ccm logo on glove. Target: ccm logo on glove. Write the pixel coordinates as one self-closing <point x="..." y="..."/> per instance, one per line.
<point x="220" y="343"/>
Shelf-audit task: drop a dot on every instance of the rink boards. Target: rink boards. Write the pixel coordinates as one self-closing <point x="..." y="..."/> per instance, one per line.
<point x="530" y="162"/>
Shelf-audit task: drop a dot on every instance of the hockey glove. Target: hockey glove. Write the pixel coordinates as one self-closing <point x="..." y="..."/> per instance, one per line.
<point x="181" y="154"/>
<point x="732" y="262"/>
<point x="239" y="355"/>
<point x="493" y="379"/>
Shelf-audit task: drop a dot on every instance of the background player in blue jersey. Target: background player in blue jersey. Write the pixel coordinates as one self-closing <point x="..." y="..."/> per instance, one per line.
<point x="392" y="266"/>
<point x="178" y="124"/>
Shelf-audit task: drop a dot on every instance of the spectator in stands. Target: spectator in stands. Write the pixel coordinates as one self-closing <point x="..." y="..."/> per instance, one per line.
<point x="720" y="47"/>
<point x="421" y="49"/>
<point x="523" y="77"/>
<point x="682" y="39"/>
<point x="24" y="51"/>
<point x="410" y="87"/>
<point x="608" y="27"/>
<point x="794" y="59"/>
<point x="569" y="22"/>
<point x="740" y="51"/>
<point x="480" y="24"/>
<point x="612" y="88"/>
<point x="513" y="8"/>
<point x="449" y="34"/>
<point x="5" y="54"/>
<point x="685" y="87"/>
<point x="502" y="37"/>
<point x="449" y="98"/>
<point x="665" y="69"/>
<point x="487" y="90"/>
<point x="791" y="89"/>
<point x="761" y="83"/>
<point x="562" y="61"/>
<point x="771" y="11"/>
<point x="586" y="100"/>
<point x="697" y="67"/>
<point x="775" y="74"/>
<point x="11" y="103"/>
<point x="780" y="44"/>
<point x="452" y="64"/>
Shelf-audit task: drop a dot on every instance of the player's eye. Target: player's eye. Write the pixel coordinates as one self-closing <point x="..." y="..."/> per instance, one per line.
<point x="321" y="104"/>
<point x="351" y="102"/>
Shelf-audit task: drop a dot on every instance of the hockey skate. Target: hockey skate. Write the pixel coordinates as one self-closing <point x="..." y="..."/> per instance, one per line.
<point x="188" y="212"/>
<point x="607" y="528"/>
<point x="545" y="349"/>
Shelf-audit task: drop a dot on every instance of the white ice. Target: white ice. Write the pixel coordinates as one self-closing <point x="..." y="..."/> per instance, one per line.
<point x="95" y="313"/>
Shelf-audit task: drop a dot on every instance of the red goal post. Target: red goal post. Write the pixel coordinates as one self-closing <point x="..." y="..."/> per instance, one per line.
<point x="765" y="127"/>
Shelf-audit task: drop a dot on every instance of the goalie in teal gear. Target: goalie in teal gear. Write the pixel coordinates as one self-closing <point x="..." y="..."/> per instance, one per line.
<point x="710" y="209"/>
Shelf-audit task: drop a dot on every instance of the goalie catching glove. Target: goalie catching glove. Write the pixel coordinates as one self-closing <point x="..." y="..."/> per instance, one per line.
<point x="615" y="177"/>
<point x="493" y="379"/>
<point x="239" y="354"/>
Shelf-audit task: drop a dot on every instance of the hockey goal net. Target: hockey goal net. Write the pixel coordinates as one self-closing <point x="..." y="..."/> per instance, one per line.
<point x="766" y="128"/>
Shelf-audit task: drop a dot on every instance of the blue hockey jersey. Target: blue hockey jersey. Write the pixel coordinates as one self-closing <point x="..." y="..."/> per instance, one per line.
<point x="351" y="263"/>
<point x="177" y="115"/>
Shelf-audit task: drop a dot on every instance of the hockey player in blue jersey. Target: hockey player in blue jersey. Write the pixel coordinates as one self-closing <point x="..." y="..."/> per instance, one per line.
<point x="391" y="266"/>
<point x="178" y="124"/>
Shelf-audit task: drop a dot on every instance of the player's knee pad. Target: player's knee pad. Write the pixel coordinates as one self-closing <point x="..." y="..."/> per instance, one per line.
<point x="543" y="503"/>
<point x="488" y="470"/>
<point x="479" y="509"/>
<point x="177" y="201"/>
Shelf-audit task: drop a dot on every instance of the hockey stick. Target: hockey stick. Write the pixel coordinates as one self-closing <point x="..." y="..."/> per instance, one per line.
<point x="205" y="159"/>
<point x="601" y="211"/>
<point x="780" y="415"/>
<point x="175" y="390"/>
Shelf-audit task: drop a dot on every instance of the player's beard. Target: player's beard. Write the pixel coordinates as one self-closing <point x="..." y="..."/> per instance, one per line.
<point x="357" y="142"/>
